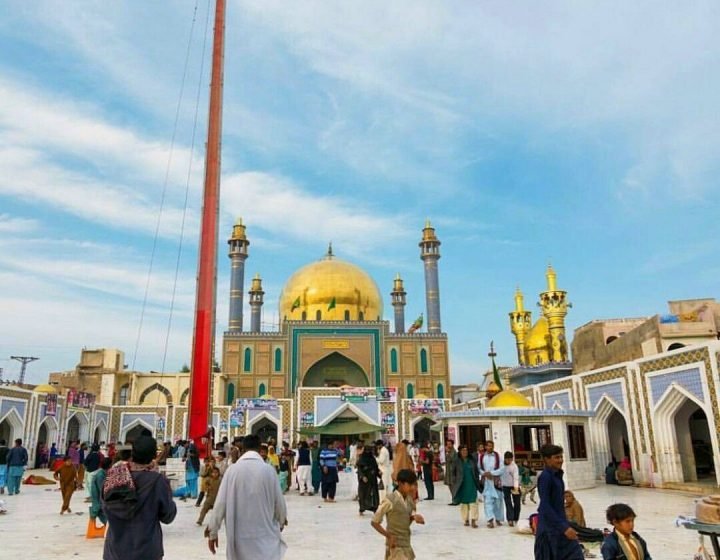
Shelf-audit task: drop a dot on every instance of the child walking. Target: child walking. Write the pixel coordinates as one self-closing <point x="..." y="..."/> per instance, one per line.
<point x="398" y="508"/>
<point x="212" y="485"/>
<point x="527" y="486"/>
<point x="67" y="476"/>
<point x="623" y="543"/>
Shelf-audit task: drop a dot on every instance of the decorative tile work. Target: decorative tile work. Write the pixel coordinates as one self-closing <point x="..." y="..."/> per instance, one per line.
<point x="689" y="379"/>
<point x="558" y="399"/>
<point x="254" y="413"/>
<point x="6" y="405"/>
<point x="612" y="390"/>
<point x="555" y="386"/>
<point x="127" y="419"/>
<point x="675" y="360"/>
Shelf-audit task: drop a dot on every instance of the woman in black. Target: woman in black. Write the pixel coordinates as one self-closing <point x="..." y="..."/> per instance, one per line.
<point x="368" y="474"/>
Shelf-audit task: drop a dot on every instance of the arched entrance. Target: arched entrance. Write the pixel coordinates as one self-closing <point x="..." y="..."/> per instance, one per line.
<point x="73" y="429"/>
<point x="11" y="427"/>
<point x="335" y="370"/>
<point x="423" y="433"/>
<point x="266" y="429"/>
<point x="611" y="440"/>
<point x="617" y="433"/>
<point x="100" y="434"/>
<point x="694" y="443"/>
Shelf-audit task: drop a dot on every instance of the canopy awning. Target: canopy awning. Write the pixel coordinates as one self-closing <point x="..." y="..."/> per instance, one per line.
<point x="342" y="429"/>
<point x="437" y="427"/>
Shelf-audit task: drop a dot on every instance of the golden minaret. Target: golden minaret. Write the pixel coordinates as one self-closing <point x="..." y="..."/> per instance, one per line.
<point x="520" y="325"/>
<point x="554" y="305"/>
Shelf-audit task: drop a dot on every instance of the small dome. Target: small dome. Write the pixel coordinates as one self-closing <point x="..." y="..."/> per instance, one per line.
<point x="509" y="398"/>
<point x="45" y="388"/>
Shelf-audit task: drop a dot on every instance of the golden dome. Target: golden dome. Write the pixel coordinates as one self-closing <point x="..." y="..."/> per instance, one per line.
<point x="45" y="388"/>
<point x="509" y="398"/>
<point x="537" y="338"/>
<point x="331" y="290"/>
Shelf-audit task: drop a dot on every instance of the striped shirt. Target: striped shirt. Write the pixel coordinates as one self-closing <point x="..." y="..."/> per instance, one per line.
<point x="329" y="458"/>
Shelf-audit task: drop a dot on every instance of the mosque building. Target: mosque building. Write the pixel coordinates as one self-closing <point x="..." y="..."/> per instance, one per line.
<point x="334" y="368"/>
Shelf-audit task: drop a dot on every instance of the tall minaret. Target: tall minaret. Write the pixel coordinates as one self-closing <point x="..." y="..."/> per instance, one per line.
<point x="256" y="302"/>
<point x="554" y="305"/>
<point x="238" y="252"/>
<point x="398" y="302"/>
<point x="520" y="325"/>
<point x="430" y="254"/>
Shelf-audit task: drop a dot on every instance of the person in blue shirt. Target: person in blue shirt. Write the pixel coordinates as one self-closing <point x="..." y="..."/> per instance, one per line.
<point x="623" y="543"/>
<point x="328" y="459"/>
<point x="555" y="539"/>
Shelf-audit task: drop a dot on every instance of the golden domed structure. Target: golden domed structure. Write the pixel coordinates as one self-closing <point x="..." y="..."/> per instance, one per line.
<point x="45" y="388"/>
<point x="536" y="344"/>
<point x="509" y="398"/>
<point x="331" y="290"/>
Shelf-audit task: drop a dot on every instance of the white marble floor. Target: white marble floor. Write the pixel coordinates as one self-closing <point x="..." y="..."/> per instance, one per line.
<point x="33" y="527"/>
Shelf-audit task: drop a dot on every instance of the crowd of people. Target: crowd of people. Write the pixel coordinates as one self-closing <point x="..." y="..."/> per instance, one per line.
<point x="126" y="490"/>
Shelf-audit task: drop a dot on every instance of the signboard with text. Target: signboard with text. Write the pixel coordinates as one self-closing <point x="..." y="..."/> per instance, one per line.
<point x="354" y="394"/>
<point x="256" y="404"/>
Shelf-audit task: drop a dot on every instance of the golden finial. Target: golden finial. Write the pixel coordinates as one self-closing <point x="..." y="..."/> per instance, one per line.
<point x="518" y="300"/>
<point x="330" y="251"/>
<point x="551" y="278"/>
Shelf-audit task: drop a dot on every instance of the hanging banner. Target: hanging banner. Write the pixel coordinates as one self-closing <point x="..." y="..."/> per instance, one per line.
<point x="256" y="404"/>
<point x="386" y="394"/>
<point x="307" y="419"/>
<point x="426" y="406"/>
<point x="237" y="418"/>
<point x="51" y="405"/>
<point x="79" y="400"/>
<point x="160" y="428"/>
<point x="354" y="394"/>
<point x="388" y="422"/>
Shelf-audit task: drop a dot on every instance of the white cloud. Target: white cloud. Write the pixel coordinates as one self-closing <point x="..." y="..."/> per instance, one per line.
<point x="10" y="224"/>
<point x="285" y="210"/>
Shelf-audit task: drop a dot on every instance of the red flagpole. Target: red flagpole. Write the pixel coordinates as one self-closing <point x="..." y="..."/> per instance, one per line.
<point x="204" y="330"/>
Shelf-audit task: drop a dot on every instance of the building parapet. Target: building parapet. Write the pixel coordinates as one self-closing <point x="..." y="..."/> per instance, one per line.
<point x="519" y="412"/>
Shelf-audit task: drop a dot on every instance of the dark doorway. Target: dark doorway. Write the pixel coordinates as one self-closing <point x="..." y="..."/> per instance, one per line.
<point x="266" y="430"/>
<point x="423" y="433"/>
<point x="472" y="435"/>
<point x="335" y="370"/>
<point x="134" y="433"/>
<point x="73" y="430"/>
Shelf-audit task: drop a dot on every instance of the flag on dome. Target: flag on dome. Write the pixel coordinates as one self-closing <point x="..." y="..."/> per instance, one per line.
<point x="416" y="325"/>
<point x="332" y="304"/>
<point x="295" y="304"/>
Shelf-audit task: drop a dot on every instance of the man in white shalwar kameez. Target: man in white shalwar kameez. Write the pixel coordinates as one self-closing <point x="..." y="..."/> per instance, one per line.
<point x="252" y="505"/>
<point x="383" y="461"/>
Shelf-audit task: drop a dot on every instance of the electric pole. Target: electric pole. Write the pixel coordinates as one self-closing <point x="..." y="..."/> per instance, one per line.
<point x="24" y="360"/>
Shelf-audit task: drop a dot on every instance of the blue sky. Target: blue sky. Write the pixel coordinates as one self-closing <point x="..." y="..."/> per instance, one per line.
<point x="586" y="134"/>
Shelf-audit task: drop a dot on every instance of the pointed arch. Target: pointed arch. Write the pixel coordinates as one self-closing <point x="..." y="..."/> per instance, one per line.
<point x="393" y="360"/>
<point x="230" y="393"/>
<point x="14" y="425"/>
<point x="184" y="396"/>
<point x="156" y="387"/>
<point x="134" y="424"/>
<point x="261" y="390"/>
<point x="247" y="360"/>
<point x="409" y="391"/>
<point x="278" y="360"/>
<point x="440" y="391"/>
<point x="423" y="360"/>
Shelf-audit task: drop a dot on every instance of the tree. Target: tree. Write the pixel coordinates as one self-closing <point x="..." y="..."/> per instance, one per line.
<point x="184" y="369"/>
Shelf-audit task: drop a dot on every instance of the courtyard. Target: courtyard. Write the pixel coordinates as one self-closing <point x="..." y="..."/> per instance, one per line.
<point x="33" y="527"/>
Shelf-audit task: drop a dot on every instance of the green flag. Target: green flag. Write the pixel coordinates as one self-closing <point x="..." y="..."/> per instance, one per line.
<point x="295" y="304"/>
<point x="496" y="375"/>
<point x="416" y="325"/>
<point x="332" y="304"/>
